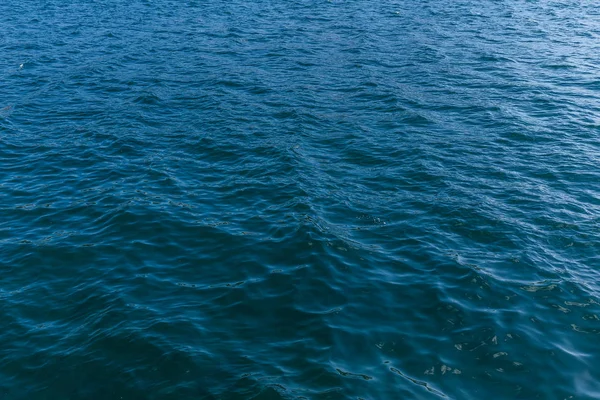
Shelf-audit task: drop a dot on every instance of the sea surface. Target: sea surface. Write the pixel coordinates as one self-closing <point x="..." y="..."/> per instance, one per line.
<point x="300" y="199"/>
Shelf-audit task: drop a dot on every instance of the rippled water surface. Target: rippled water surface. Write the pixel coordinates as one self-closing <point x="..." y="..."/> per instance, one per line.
<point x="299" y="199"/>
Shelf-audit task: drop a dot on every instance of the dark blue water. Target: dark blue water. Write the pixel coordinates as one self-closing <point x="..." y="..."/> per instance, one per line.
<point x="299" y="199"/>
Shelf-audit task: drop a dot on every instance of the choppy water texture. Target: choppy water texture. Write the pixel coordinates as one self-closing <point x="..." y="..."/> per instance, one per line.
<point x="299" y="199"/>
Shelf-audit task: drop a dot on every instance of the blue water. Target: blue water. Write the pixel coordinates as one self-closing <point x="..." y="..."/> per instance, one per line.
<point x="299" y="199"/>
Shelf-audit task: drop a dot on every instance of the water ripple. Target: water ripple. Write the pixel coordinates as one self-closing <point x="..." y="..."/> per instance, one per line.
<point x="309" y="200"/>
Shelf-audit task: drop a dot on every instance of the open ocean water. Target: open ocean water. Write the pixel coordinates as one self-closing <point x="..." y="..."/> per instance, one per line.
<point x="275" y="200"/>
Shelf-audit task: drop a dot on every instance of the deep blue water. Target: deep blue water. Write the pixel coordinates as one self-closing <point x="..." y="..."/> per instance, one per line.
<point x="299" y="199"/>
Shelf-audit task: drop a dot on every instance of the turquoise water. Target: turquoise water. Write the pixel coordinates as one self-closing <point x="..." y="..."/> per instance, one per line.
<point x="299" y="199"/>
